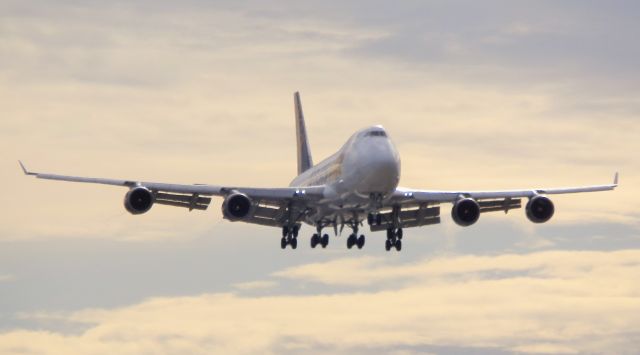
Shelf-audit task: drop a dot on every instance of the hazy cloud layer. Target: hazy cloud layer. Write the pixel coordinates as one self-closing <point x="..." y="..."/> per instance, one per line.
<point x="550" y="302"/>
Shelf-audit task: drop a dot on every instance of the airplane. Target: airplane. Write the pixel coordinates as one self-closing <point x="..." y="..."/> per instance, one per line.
<point x="356" y="184"/>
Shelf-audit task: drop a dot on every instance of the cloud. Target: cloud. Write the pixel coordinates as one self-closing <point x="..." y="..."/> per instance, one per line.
<point x="550" y="302"/>
<point x="255" y="285"/>
<point x="374" y="271"/>
<point x="7" y="277"/>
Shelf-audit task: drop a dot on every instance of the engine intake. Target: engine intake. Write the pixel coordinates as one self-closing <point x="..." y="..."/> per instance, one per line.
<point x="138" y="200"/>
<point x="465" y="212"/>
<point x="540" y="209"/>
<point x="236" y="207"/>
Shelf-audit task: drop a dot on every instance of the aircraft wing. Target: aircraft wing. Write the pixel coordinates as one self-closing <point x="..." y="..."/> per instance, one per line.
<point x="404" y="195"/>
<point x="270" y="204"/>
<point x="416" y="208"/>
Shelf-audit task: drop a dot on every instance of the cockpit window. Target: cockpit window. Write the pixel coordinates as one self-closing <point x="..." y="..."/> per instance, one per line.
<point x="376" y="134"/>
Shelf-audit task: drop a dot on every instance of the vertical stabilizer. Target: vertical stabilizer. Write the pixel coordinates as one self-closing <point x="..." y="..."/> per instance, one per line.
<point x="304" y="153"/>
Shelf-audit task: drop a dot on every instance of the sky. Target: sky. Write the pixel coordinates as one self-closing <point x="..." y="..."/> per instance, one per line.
<point x="476" y="96"/>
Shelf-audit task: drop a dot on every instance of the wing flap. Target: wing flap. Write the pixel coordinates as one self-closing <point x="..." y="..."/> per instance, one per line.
<point x="408" y="218"/>
<point x="182" y="204"/>
<point x="499" y="205"/>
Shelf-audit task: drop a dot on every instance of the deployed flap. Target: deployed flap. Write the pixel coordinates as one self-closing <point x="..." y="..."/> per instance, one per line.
<point x="304" y="153"/>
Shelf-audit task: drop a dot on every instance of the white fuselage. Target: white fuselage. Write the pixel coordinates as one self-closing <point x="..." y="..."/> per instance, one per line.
<point x="366" y="167"/>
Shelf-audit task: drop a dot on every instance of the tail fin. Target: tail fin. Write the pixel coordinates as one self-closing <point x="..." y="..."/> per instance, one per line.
<point x="304" y="153"/>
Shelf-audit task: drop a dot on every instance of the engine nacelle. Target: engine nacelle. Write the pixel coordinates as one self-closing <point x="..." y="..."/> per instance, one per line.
<point x="138" y="200"/>
<point x="236" y="207"/>
<point x="540" y="209"/>
<point x="465" y="212"/>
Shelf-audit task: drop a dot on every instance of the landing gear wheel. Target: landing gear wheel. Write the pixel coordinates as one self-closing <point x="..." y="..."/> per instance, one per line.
<point x="399" y="233"/>
<point x="283" y="243"/>
<point x="398" y="245"/>
<point x="294" y="243"/>
<point x="351" y="241"/>
<point x="387" y="245"/>
<point x="360" y="242"/>
<point x="315" y="240"/>
<point x="324" y="241"/>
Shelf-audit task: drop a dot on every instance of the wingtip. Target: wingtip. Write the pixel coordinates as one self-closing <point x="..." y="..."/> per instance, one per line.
<point x="616" y="178"/>
<point x="24" y="170"/>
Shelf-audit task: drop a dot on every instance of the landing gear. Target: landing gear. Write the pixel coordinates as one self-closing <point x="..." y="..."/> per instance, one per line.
<point x="318" y="238"/>
<point x="354" y="240"/>
<point x="289" y="237"/>
<point x="394" y="239"/>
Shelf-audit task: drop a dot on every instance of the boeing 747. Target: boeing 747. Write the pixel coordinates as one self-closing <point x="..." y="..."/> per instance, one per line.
<point x="357" y="184"/>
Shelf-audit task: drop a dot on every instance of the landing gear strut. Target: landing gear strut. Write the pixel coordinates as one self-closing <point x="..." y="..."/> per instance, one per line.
<point x="394" y="239"/>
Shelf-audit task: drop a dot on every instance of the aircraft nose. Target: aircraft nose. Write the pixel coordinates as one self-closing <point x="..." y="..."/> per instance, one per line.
<point x="382" y="170"/>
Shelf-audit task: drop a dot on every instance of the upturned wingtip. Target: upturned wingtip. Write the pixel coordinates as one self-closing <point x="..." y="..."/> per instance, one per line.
<point x="26" y="172"/>
<point x="616" y="178"/>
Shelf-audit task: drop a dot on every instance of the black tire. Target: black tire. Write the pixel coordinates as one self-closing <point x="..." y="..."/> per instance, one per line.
<point x="351" y="241"/>
<point x="295" y="231"/>
<point x="399" y="233"/>
<point x="315" y="240"/>
<point x="399" y="245"/>
<point x="283" y="243"/>
<point x="325" y="241"/>
<point x="360" y="242"/>
<point x="387" y="245"/>
<point x="294" y="243"/>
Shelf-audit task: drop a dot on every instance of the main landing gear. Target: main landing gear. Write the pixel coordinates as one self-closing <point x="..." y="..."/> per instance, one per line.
<point x="289" y="237"/>
<point x="318" y="238"/>
<point x="354" y="239"/>
<point x="394" y="239"/>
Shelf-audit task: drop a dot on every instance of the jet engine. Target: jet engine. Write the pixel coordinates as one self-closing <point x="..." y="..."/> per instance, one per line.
<point x="237" y="206"/>
<point x="138" y="200"/>
<point x="465" y="212"/>
<point x="540" y="209"/>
